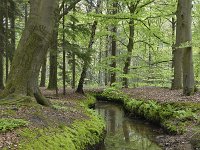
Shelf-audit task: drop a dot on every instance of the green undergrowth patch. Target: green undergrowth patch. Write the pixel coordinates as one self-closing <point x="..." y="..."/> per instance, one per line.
<point x="75" y="137"/>
<point x="173" y="117"/>
<point x="8" y="124"/>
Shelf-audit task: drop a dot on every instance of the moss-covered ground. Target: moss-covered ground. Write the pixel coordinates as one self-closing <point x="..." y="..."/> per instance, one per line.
<point x="68" y="125"/>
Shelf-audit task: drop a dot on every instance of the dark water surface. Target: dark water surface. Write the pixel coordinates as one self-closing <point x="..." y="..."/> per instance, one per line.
<point x="124" y="133"/>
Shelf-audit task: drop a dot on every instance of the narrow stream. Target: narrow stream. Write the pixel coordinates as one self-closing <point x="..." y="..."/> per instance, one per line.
<point x="124" y="133"/>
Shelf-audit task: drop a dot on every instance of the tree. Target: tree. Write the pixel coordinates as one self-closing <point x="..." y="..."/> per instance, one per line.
<point x="177" y="52"/>
<point x="1" y="46"/>
<point x="88" y="61"/>
<point x="184" y="21"/>
<point x="31" y="51"/>
<point x="114" y="46"/>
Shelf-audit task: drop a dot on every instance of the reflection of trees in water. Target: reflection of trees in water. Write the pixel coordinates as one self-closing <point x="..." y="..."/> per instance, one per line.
<point x="123" y="134"/>
<point x="126" y="130"/>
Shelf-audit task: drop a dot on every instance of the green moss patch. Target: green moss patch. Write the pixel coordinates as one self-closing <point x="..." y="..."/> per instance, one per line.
<point x="173" y="117"/>
<point x="78" y="136"/>
<point x="8" y="124"/>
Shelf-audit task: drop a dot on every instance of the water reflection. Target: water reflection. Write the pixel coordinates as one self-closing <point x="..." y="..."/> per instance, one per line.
<point x="124" y="133"/>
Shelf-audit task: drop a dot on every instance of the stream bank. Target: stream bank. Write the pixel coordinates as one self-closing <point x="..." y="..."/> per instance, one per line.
<point x="180" y="121"/>
<point x="68" y="125"/>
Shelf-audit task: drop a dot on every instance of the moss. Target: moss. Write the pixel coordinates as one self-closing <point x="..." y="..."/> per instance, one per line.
<point x="10" y="124"/>
<point x="173" y="117"/>
<point x="79" y="135"/>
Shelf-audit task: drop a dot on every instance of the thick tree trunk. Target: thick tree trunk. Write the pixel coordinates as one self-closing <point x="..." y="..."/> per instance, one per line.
<point x="129" y="47"/>
<point x="185" y="11"/>
<point x="31" y="51"/>
<point x="53" y="59"/>
<point x="177" y="58"/>
<point x="1" y="48"/>
<point x="43" y="73"/>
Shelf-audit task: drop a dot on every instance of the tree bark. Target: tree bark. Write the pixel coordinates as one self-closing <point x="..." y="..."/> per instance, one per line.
<point x="6" y="39"/>
<point x="12" y="27"/>
<point x="129" y="46"/>
<point x="31" y="51"/>
<point x="185" y="11"/>
<point x="114" y="48"/>
<point x="1" y="48"/>
<point x="64" y="55"/>
<point x="86" y="62"/>
<point x="177" y="63"/>
<point x="53" y="59"/>
<point x="43" y="73"/>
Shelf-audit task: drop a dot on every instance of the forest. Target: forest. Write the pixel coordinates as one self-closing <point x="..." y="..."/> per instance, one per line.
<point x="99" y="74"/>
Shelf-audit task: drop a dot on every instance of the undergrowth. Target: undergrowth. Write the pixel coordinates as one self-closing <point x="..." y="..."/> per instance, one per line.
<point x="8" y="124"/>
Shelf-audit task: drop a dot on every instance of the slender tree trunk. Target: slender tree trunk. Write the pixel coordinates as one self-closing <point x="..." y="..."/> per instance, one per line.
<point x="64" y="55"/>
<point x="86" y="62"/>
<point x="106" y="55"/>
<point x="73" y="70"/>
<point x="173" y="43"/>
<point x="73" y="59"/>
<point x="114" y="47"/>
<point x="26" y="13"/>
<point x="1" y="48"/>
<point x="100" y="59"/>
<point x="129" y="47"/>
<point x="7" y="41"/>
<point x="185" y="11"/>
<point x="12" y="27"/>
<point x="31" y="51"/>
<point x="43" y="73"/>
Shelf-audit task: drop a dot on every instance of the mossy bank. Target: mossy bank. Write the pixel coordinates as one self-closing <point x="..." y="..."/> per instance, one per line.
<point x="68" y="125"/>
<point x="174" y="117"/>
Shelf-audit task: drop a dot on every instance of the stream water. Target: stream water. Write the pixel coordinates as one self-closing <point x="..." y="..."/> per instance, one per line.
<point x="124" y="133"/>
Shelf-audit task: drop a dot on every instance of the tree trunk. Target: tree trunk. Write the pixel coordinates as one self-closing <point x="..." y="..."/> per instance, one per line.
<point x="6" y="39"/>
<point x="43" y="73"/>
<point x="114" y="47"/>
<point x="64" y="55"/>
<point x="12" y="27"/>
<point x="173" y="44"/>
<point x="87" y="62"/>
<point x="1" y="48"/>
<point x="31" y="51"/>
<point x="53" y="59"/>
<point x="185" y="11"/>
<point x="129" y="47"/>
<point x="177" y="63"/>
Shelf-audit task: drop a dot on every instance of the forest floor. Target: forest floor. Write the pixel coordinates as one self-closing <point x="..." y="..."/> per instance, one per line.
<point x="41" y="117"/>
<point x="72" y="99"/>
<point x="163" y="95"/>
